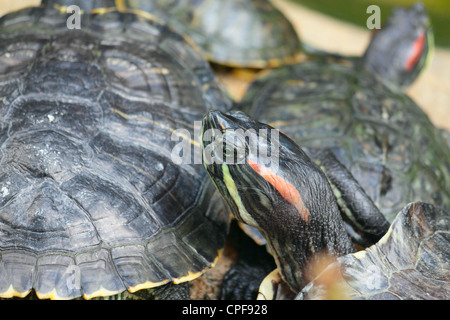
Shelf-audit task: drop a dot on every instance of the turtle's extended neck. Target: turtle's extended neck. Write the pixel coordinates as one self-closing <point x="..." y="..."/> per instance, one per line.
<point x="298" y="245"/>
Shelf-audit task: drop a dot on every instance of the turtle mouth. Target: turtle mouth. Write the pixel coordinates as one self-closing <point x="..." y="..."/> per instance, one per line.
<point x="209" y="121"/>
<point x="214" y="135"/>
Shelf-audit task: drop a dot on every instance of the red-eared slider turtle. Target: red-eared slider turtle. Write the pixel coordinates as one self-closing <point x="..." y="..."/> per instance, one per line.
<point x="290" y="201"/>
<point x="92" y="202"/>
<point x="236" y="33"/>
<point x="355" y="107"/>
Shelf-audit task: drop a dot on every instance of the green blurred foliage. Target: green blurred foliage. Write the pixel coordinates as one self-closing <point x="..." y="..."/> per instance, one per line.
<point x="354" y="11"/>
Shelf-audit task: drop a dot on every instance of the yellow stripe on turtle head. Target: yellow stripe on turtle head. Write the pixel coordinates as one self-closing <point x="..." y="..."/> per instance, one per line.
<point x="232" y="190"/>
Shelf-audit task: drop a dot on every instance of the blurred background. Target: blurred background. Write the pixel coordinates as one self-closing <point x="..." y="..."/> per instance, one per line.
<point x="340" y="26"/>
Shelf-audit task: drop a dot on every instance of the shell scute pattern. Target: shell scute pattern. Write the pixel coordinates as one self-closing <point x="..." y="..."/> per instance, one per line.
<point x="91" y="203"/>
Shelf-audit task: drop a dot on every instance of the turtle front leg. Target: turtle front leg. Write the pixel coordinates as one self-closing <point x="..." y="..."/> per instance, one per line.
<point x="365" y="223"/>
<point x="253" y="264"/>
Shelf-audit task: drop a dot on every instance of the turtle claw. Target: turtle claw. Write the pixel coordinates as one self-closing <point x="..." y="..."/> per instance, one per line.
<point x="242" y="281"/>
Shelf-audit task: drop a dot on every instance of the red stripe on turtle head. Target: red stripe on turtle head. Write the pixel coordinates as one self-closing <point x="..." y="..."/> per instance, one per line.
<point x="285" y="188"/>
<point x="416" y="52"/>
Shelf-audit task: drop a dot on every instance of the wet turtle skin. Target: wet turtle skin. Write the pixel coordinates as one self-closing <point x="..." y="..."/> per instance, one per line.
<point x="376" y="131"/>
<point x="91" y="202"/>
<point x="410" y="262"/>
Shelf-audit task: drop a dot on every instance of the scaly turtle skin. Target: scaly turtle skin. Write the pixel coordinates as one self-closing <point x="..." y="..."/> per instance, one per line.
<point x="290" y="201"/>
<point x="410" y="262"/>
<point x="373" y="128"/>
<point x="235" y="33"/>
<point x="91" y="201"/>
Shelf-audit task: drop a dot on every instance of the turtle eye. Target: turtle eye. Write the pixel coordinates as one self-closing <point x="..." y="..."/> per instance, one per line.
<point x="217" y="150"/>
<point x="229" y="152"/>
<point x="234" y="147"/>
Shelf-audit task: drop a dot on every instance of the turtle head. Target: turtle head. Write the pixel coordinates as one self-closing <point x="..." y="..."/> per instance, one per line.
<point x="285" y="195"/>
<point x="402" y="48"/>
<point x="242" y="157"/>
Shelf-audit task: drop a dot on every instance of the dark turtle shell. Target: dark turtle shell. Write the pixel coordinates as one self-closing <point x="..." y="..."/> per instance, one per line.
<point x="410" y="262"/>
<point x="237" y="33"/>
<point x="91" y="202"/>
<point x="379" y="133"/>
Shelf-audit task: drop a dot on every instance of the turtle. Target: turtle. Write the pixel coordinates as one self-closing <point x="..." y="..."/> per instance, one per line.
<point x="410" y="262"/>
<point x="233" y="33"/>
<point x="357" y="108"/>
<point x="96" y="197"/>
<point x="290" y="201"/>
